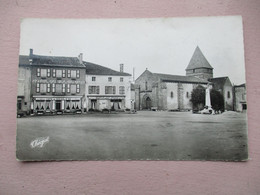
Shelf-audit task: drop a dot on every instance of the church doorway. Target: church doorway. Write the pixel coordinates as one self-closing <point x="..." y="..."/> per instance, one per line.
<point x="147" y="103"/>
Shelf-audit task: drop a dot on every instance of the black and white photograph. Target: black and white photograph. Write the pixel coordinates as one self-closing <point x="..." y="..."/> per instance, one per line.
<point x="132" y="89"/>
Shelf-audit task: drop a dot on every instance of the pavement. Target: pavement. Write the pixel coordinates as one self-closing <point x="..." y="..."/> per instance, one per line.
<point x="146" y="135"/>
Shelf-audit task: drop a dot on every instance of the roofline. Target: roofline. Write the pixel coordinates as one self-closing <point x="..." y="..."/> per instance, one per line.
<point x="168" y="80"/>
<point x="59" y="65"/>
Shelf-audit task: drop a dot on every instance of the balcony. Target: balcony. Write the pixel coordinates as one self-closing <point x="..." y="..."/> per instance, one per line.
<point x="59" y="93"/>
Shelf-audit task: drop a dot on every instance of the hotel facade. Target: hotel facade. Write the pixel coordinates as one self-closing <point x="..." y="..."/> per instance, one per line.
<point x="58" y="85"/>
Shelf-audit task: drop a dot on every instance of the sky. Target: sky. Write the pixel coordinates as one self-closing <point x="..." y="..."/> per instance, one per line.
<point x="162" y="45"/>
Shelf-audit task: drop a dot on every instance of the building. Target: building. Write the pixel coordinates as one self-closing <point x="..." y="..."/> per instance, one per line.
<point x="240" y="104"/>
<point x="24" y="86"/>
<point x="225" y="87"/>
<point x="173" y="92"/>
<point x="107" y="88"/>
<point x="166" y="92"/>
<point x="57" y="84"/>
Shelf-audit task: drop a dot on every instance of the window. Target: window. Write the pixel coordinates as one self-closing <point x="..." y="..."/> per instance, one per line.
<point x="93" y="78"/>
<point x="58" y="88"/>
<point x="110" y="90"/>
<point x="37" y="87"/>
<point x="78" y="88"/>
<point x="121" y="90"/>
<point x="73" y="88"/>
<point x="63" y="73"/>
<point x="38" y="72"/>
<point x="171" y="94"/>
<point x="63" y="88"/>
<point x="187" y="94"/>
<point x="53" y="87"/>
<point x="69" y="74"/>
<point x="48" y="72"/>
<point x="59" y="74"/>
<point x="93" y="89"/>
<point x="109" y="79"/>
<point x="193" y="70"/>
<point x="53" y="72"/>
<point x="228" y="94"/>
<point x="43" y="88"/>
<point x="146" y="87"/>
<point x="68" y="88"/>
<point x="73" y="74"/>
<point x="43" y="73"/>
<point x="77" y="73"/>
<point x="48" y="87"/>
<point x="121" y="79"/>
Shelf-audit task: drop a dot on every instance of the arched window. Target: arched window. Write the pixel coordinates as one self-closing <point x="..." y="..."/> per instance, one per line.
<point x="146" y="87"/>
<point x="228" y="94"/>
<point x="187" y="94"/>
<point x="171" y="94"/>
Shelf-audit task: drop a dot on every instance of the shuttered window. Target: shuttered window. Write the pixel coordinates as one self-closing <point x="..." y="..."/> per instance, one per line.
<point x="121" y="90"/>
<point x="73" y="89"/>
<point x="93" y="89"/>
<point x="110" y="90"/>
<point x="43" y="88"/>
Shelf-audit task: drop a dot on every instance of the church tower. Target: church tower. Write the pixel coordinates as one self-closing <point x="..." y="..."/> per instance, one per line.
<point x="199" y="66"/>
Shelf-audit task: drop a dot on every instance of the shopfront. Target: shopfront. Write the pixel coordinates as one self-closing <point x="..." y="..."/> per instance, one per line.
<point x="56" y="104"/>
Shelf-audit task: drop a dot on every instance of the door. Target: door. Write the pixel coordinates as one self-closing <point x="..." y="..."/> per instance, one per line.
<point x="58" y="105"/>
<point x="148" y="103"/>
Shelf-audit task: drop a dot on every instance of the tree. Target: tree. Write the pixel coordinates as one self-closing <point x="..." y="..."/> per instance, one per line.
<point x="217" y="100"/>
<point x="198" y="98"/>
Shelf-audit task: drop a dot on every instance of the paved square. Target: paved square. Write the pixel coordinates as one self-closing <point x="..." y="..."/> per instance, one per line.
<point x="145" y="135"/>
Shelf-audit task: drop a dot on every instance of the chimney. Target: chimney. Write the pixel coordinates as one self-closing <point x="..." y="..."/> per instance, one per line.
<point x="31" y="56"/>
<point x="31" y="52"/>
<point x="121" y="67"/>
<point x="80" y="58"/>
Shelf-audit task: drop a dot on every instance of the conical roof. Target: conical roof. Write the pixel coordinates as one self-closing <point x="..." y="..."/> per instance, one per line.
<point x="198" y="60"/>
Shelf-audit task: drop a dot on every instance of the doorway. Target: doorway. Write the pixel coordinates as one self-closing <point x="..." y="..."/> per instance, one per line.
<point x="58" y="105"/>
<point x="147" y="104"/>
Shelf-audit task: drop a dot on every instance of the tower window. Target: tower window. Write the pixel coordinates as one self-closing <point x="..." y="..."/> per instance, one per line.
<point x="187" y="94"/>
<point x="171" y="94"/>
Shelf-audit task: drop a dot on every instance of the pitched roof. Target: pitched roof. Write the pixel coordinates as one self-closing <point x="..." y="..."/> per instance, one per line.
<point x="198" y="60"/>
<point x="242" y="85"/>
<point x="219" y="80"/>
<point x="56" y="61"/>
<point x="178" y="78"/>
<point x="95" y="69"/>
<point x="24" y="60"/>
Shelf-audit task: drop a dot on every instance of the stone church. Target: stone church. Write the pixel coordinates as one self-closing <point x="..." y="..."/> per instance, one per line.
<point x="173" y="92"/>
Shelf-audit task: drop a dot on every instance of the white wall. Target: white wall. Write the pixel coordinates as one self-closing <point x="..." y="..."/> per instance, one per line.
<point x="102" y="81"/>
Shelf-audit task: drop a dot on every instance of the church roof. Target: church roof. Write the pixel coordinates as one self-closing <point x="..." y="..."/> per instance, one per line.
<point x="95" y="69"/>
<point x="178" y="78"/>
<point x="219" y="80"/>
<point x="198" y="60"/>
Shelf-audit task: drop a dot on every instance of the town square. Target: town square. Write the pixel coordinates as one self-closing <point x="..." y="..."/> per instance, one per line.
<point x="145" y="135"/>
